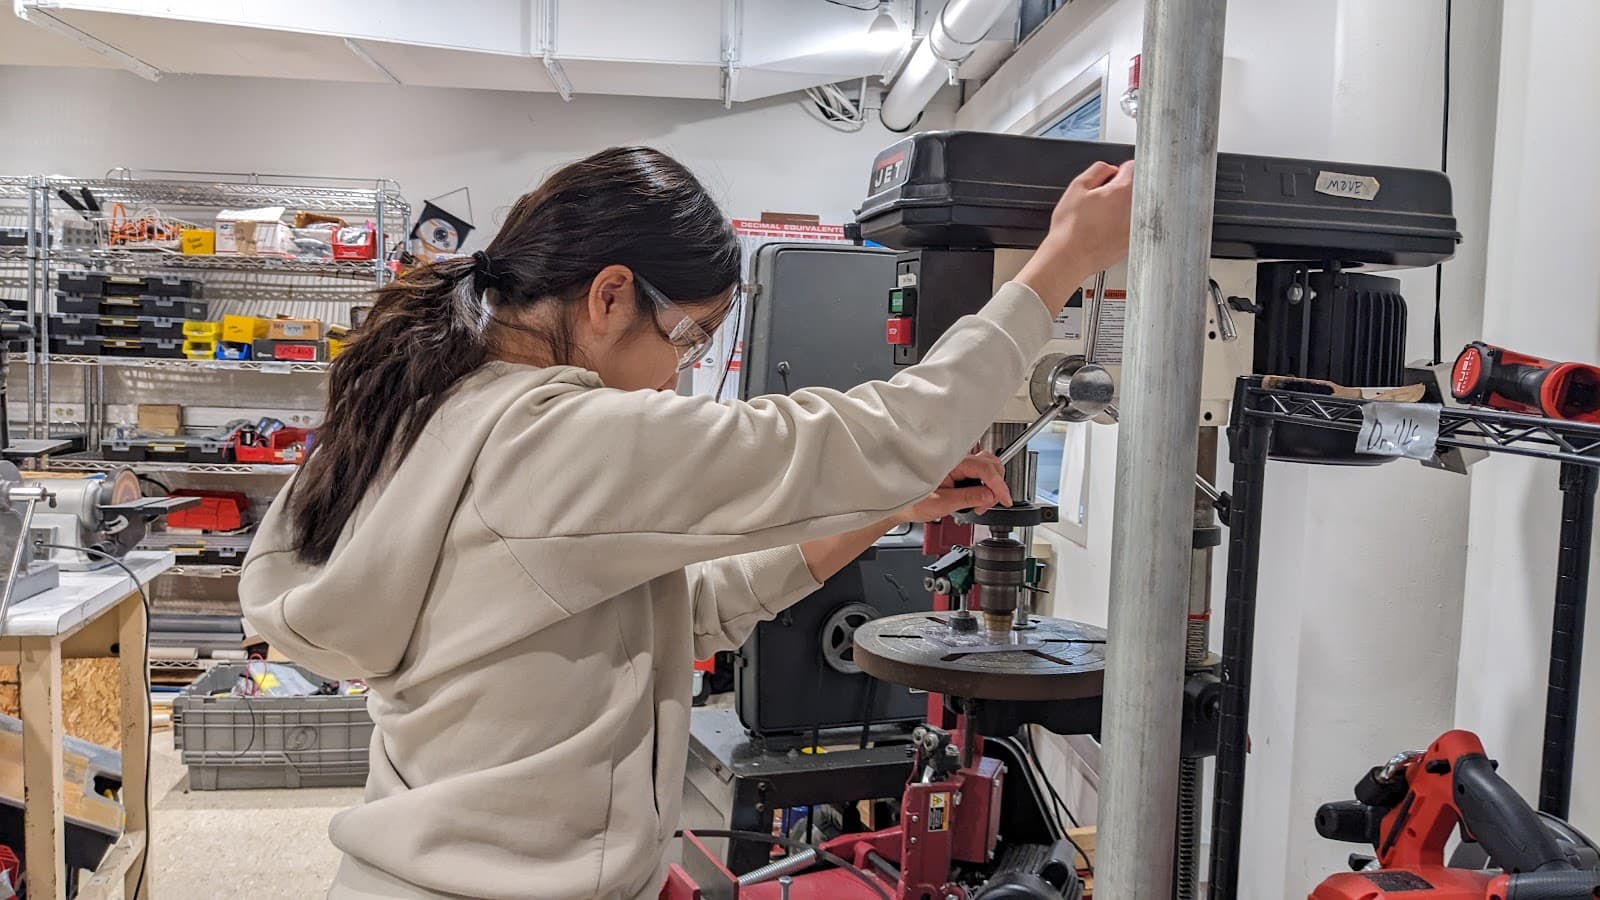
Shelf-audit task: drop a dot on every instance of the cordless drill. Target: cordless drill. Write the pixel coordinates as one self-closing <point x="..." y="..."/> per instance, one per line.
<point x="1486" y="375"/>
<point x="1409" y="809"/>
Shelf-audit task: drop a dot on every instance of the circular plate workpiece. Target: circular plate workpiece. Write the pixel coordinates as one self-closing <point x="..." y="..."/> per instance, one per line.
<point x="1057" y="660"/>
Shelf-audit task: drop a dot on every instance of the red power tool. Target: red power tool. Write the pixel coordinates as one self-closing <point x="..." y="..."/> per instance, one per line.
<point x="1408" y="810"/>
<point x="1486" y="375"/>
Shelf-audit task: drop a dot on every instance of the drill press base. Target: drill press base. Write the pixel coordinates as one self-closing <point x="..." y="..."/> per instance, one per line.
<point x="1057" y="660"/>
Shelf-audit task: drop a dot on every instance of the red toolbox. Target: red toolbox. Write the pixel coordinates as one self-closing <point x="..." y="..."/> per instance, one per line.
<point x="286" y="445"/>
<point x="217" y="511"/>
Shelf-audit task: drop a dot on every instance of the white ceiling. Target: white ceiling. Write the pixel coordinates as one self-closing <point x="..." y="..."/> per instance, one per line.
<point x="665" y="48"/>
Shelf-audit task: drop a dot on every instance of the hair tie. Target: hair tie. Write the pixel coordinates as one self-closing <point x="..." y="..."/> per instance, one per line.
<point x="483" y="275"/>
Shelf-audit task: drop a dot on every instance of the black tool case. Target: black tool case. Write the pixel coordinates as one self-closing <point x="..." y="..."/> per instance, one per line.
<point x="968" y="189"/>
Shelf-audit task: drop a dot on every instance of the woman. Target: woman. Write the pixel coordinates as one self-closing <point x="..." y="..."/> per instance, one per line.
<point x="521" y="540"/>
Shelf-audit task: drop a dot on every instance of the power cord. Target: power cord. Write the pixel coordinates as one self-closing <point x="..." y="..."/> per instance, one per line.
<point x="1023" y="749"/>
<point x="870" y="8"/>
<point x="144" y="860"/>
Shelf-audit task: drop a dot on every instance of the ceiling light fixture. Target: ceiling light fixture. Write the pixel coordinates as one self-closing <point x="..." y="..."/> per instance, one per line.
<point x="884" y="32"/>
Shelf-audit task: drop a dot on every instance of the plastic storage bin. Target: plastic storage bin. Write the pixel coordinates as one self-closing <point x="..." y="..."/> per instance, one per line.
<point x="216" y="511"/>
<point x="163" y="307"/>
<point x="131" y="450"/>
<point x="172" y="286"/>
<point x="232" y="743"/>
<point x="286" y="445"/>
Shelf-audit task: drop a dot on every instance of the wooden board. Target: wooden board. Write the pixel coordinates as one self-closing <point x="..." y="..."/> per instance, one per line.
<point x="1084" y="838"/>
<point x="79" y="801"/>
<point x="89" y="698"/>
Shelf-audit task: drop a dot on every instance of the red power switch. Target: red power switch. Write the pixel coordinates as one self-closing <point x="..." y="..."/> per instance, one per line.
<point x="898" y="331"/>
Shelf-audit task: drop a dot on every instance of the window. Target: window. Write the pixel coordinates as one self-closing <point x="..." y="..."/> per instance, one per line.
<point x="1033" y="14"/>
<point x="1082" y="123"/>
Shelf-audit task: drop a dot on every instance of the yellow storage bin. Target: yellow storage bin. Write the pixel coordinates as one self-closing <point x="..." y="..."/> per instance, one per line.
<point x="198" y="241"/>
<point x="204" y="331"/>
<point x="336" y="346"/>
<point x="199" y="349"/>
<point x="243" y="329"/>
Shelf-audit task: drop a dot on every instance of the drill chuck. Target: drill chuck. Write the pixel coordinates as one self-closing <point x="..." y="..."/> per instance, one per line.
<point x="1350" y="821"/>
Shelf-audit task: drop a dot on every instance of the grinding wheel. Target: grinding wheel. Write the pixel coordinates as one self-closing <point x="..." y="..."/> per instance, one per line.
<point x="1058" y="660"/>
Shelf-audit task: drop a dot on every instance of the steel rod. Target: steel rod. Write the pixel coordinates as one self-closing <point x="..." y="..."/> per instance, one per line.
<point x="1566" y="639"/>
<point x="1152" y="529"/>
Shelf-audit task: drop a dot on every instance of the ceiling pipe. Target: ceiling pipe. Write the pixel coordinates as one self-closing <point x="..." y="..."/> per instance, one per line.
<point x="958" y="29"/>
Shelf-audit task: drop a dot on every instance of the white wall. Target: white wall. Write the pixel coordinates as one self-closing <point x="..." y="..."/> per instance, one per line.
<point x="1359" y="614"/>
<point x="1543" y="227"/>
<point x="767" y="155"/>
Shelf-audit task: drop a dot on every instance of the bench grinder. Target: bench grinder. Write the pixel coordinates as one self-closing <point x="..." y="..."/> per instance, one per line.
<point x="104" y="513"/>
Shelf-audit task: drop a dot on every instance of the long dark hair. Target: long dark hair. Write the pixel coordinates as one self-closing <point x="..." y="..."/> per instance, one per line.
<point x="630" y="206"/>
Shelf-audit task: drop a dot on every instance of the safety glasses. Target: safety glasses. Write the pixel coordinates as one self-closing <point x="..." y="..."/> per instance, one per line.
<point x="683" y="332"/>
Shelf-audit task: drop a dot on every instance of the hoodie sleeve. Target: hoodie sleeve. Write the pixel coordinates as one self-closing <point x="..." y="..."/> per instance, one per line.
<point x="733" y="594"/>
<point x="641" y="483"/>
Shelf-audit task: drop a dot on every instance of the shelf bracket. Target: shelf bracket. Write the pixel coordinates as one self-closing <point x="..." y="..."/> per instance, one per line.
<point x="32" y="14"/>
<point x="372" y="62"/>
<point x="547" y="50"/>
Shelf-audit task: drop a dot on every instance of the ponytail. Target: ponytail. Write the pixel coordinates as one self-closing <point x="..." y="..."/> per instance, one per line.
<point x="426" y="332"/>
<point x="435" y="325"/>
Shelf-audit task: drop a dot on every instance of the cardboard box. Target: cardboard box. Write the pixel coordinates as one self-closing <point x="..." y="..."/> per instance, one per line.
<point x="263" y="239"/>
<point x="285" y="328"/>
<point x="232" y="228"/>
<point x="198" y="241"/>
<point x="243" y="329"/>
<point x="165" y="419"/>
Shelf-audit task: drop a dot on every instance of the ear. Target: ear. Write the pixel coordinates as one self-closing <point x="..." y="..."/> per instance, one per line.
<point x="611" y="301"/>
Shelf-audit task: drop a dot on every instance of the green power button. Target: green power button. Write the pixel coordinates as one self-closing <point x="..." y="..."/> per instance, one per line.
<point x="897" y="301"/>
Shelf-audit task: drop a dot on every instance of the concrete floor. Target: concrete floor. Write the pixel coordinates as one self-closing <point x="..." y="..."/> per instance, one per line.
<point x="258" y="844"/>
<point x="266" y="845"/>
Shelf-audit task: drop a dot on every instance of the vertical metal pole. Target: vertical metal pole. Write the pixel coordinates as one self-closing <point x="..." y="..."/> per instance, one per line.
<point x="42" y="324"/>
<point x="33" y="303"/>
<point x="381" y="239"/>
<point x="1566" y="639"/>
<point x="1157" y="440"/>
<point x="1248" y="443"/>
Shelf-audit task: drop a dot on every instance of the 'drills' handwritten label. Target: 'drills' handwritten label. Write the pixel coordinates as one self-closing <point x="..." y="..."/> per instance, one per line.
<point x="1399" y="429"/>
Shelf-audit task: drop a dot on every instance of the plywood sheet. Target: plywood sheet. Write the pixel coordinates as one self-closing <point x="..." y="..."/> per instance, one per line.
<point x="90" y="699"/>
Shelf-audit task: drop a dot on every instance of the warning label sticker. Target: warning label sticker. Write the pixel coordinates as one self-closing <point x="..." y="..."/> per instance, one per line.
<point x="1110" y="321"/>
<point x="1397" y="882"/>
<point x="939" y="812"/>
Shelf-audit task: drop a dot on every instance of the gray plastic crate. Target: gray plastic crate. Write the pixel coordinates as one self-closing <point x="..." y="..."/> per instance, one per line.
<point x="234" y="743"/>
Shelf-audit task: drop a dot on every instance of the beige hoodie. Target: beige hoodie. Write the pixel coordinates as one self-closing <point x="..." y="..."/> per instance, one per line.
<point x="526" y="594"/>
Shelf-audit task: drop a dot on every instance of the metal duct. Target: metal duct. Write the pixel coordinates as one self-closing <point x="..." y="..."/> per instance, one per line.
<point x="960" y="26"/>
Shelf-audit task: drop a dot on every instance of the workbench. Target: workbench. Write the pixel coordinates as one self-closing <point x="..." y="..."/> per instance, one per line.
<point x="94" y="614"/>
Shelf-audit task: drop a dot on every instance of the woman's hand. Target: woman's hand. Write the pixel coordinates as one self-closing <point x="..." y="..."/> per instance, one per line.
<point x="826" y="556"/>
<point x="947" y="498"/>
<point x="1088" y="234"/>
